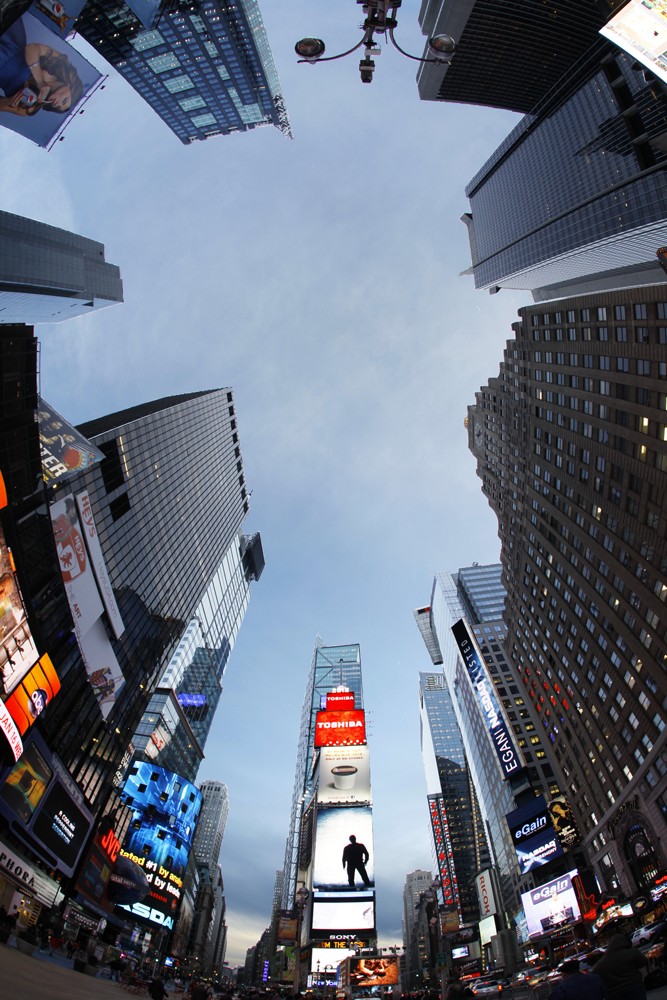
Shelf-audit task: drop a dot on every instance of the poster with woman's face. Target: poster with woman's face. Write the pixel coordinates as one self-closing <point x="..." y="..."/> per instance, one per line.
<point x="43" y="80"/>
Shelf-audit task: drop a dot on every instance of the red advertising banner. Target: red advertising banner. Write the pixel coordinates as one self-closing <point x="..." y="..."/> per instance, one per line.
<point x="338" y="729"/>
<point x="341" y="700"/>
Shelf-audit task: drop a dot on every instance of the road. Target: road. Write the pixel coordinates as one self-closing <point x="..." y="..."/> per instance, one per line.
<point x="32" y="979"/>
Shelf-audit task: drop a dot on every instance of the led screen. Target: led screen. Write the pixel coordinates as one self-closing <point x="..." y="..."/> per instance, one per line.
<point x="533" y="835"/>
<point x="342" y="863"/>
<point x="61" y="826"/>
<point x="640" y="28"/>
<point x="551" y="905"/>
<point x="344" y="775"/>
<point x="26" y="783"/>
<point x="33" y="694"/>
<point x="339" y="729"/>
<point x="462" y="952"/>
<point x="373" y="971"/>
<point x="353" y="915"/>
<point x="327" y="960"/>
<point x="42" y="78"/>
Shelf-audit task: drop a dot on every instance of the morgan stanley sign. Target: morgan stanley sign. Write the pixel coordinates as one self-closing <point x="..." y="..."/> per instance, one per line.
<point x="486" y="696"/>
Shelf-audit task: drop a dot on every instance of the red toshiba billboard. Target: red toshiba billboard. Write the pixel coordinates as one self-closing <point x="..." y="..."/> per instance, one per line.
<point x="339" y="729"/>
<point x="340" y="700"/>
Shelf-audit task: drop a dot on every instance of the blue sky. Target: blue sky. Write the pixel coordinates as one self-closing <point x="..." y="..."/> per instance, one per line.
<point x="320" y="278"/>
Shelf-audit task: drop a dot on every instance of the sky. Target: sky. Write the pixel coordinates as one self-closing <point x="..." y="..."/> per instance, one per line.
<point x="319" y="278"/>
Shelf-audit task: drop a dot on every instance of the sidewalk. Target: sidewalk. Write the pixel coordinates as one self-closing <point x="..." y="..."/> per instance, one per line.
<point x="47" y="980"/>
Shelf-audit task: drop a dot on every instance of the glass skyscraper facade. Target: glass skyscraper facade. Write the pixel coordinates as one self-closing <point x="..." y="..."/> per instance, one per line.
<point x="482" y="592"/>
<point x="48" y="275"/>
<point x="574" y="200"/>
<point x="331" y="666"/>
<point x="205" y="70"/>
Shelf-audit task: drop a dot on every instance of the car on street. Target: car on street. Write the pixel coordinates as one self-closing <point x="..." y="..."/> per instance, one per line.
<point x="645" y="934"/>
<point x="487" y="987"/>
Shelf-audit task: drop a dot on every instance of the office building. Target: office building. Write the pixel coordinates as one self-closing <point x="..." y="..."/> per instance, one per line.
<point x="448" y="777"/>
<point x="217" y="940"/>
<point x="574" y="200"/>
<point x="330" y="667"/>
<point x="415" y="943"/>
<point x="571" y="451"/>
<point x="48" y="275"/>
<point x="497" y="795"/>
<point x="212" y="822"/>
<point x="508" y="55"/>
<point x="206" y="70"/>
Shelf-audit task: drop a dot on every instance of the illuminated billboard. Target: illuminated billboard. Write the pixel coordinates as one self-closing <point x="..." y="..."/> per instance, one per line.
<point x="43" y="79"/>
<point x="445" y="858"/>
<point x="327" y="960"/>
<point x="339" y="729"/>
<point x="42" y="800"/>
<point x="498" y="728"/>
<point x="373" y="971"/>
<point x="344" y="915"/>
<point x="551" y="905"/>
<point x="64" y="450"/>
<point x="640" y="28"/>
<point x="564" y="822"/>
<point x="341" y="700"/>
<point x="18" y="651"/>
<point x="344" y="849"/>
<point x="33" y="694"/>
<point x="344" y="775"/>
<point x="533" y="835"/>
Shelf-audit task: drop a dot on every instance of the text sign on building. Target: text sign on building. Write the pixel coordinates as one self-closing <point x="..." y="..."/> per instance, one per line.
<point x="499" y="731"/>
<point x="336" y="729"/>
<point x="485" y="894"/>
<point x="340" y="700"/>
<point x="444" y="856"/>
<point x="533" y="835"/>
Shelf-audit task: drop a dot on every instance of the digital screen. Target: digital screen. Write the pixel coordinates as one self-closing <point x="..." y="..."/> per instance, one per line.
<point x="353" y="915"/>
<point x="94" y="874"/>
<point x="61" y="826"/>
<point x="31" y="696"/>
<point x="191" y="700"/>
<point x="462" y="952"/>
<point x="373" y="971"/>
<point x="551" y="905"/>
<point x="344" y="775"/>
<point x="26" y="783"/>
<point x="168" y="961"/>
<point x="327" y="960"/>
<point x="344" y="849"/>
<point x="339" y="729"/>
<point x="533" y="835"/>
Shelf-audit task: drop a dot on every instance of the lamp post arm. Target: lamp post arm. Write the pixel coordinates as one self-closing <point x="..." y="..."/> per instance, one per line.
<point x="368" y="36"/>
<point x="404" y="53"/>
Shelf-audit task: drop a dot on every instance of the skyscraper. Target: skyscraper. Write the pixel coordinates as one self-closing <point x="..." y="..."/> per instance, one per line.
<point x="205" y="71"/>
<point x="571" y="452"/>
<point x="416" y="883"/>
<point x="48" y="275"/>
<point x="574" y="200"/>
<point x="212" y="822"/>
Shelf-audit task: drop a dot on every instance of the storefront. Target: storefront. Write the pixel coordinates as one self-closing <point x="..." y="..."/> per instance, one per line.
<point x="25" y="888"/>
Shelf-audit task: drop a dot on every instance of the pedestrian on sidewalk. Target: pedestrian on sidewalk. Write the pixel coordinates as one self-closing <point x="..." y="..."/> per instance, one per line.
<point x="577" y="985"/>
<point x="56" y="943"/>
<point x="620" y="970"/>
<point x="156" y="989"/>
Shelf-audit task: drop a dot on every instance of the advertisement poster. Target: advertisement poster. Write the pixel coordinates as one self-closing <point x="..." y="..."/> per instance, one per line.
<point x="640" y="28"/>
<point x="87" y="522"/>
<point x="64" y="451"/>
<point x="77" y="573"/>
<point x="445" y="858"/>
<point x="17" y="650"/>
<point x="551" y="905"/>
<point x="33" y="694"/>
<point x="42" y="78"/>
<point x="327" y="960"/>
<point x="533" y="835"/>
<point x="564" y="822"/>
<point x="352" y="915"/>
<point x="344" y="849"/>
<point x="102" y="667"/>
<point x="339" y="729"/>
<point x="58" y="15"/>
<point x="12" y="736"/>
<point x="26" y="783"/>
<point x="179" y="945"/>
<point x="344" y="775"/>
<point x="373" y="971"/>
<point x="62" y="827"/>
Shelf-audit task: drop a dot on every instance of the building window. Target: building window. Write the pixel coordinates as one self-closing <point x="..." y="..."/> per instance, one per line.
<point x="161" y="64"/>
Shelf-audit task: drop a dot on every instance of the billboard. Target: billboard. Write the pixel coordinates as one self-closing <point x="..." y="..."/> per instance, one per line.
<point x="27" y="701"/>
<point x="12" y="736"/>
<point x="564" y="822"/>
<point x="373" y="971"/>
<point x="179" y="945"/>
<point x="64" y="451"/>
<point x="533" y="835"/>
<point x="99" y="566"/>
<point x="45" y="806"/>
<point x="18" y="651"/>
<point x="640" y="28"/>
<point x="445" y="859"/>
<point x="102" y="667"/>
<point x="551" y="905"/>
<point x="485" y="894"/>
<point x="75" y="567"/>
<point x="42" y="78"/>
<point x="58" y="15"/>
<point x="327" y="960"/>
<point x="498" y="728"/>
<point x="339" y="700"/>
<point x="339" y="729"/>
<point x="287" y="926"/>
<point x="344" y="849"/>
<point x="344" y="915"/>
<point x="344" y="775"/>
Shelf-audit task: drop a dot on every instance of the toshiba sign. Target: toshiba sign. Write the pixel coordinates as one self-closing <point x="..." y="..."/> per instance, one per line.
<point x="338" y="729"/>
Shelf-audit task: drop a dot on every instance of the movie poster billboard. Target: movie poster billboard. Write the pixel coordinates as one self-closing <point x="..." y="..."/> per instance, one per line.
<point x="99" y="566"/>
<point x="75" y="567"/>
<point x="551" y="905"/>
<point x="42" y="78"/>
<point x="344" y="775"/>
<point x="344" y="849"/>
<point x="64" y="450"/>
<point x="102" y="667"/>
<point x="373" y="971"/>
<point x="640" y="29"/>
<point x="18" y="651"/>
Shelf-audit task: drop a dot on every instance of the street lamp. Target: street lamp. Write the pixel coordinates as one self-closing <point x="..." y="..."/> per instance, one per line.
<point x="380" y="20"/>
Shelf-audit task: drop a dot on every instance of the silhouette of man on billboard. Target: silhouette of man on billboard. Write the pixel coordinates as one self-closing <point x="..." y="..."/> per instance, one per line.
<point x="355" y="858"/>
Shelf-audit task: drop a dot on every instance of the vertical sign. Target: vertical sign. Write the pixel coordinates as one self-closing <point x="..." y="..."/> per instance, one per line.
<point x="99" y="565"/>
<point x="445" y="859"/>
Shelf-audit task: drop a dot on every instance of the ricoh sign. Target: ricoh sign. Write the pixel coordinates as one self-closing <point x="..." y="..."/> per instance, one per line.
<point x="498" y="729"/>
<point x="485" y="894"/>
